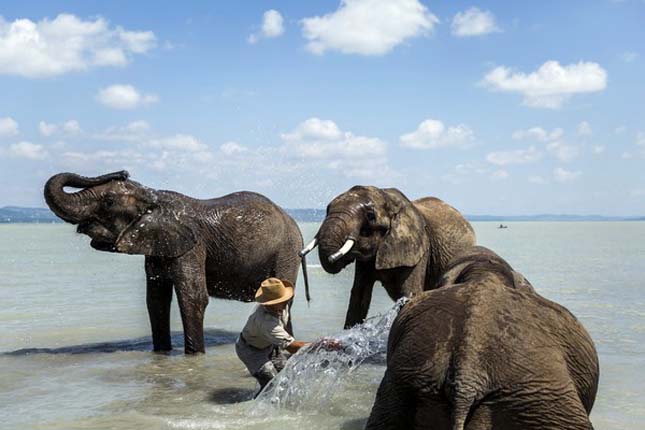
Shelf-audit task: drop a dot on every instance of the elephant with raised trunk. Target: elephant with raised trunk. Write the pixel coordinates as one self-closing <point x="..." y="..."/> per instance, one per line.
<point x="485" y="351"/>
<point x="401" y="243"/>
<point x="222" y="247"/>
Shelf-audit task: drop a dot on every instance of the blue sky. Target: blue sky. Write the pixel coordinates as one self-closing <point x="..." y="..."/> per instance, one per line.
<point x="495" y="107"/>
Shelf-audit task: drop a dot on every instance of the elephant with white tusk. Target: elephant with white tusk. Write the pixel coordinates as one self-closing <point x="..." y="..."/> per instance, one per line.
<point x="401" y="243"/>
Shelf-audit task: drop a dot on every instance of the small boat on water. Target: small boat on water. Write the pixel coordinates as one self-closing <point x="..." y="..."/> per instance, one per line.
<point x="502" y="226"/>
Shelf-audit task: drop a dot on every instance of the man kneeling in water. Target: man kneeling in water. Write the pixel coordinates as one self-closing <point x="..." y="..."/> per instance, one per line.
<point x="264" y="336"/>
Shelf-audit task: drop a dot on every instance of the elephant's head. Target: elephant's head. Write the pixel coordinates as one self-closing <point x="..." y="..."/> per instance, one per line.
<point x="120" y="215"/>
<point x="371" y="224"/>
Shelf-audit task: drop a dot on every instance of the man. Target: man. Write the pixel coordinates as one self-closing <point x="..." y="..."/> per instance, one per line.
<point x="265" y="334"/>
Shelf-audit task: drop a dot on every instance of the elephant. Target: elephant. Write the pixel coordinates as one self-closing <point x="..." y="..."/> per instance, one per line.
<point x="401" y="243"/>
<point x="485" y="351"/>
<point x="222" y="247"/>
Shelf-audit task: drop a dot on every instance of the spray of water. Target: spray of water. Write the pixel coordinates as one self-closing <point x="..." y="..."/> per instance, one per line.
<point x="312" y="376"/>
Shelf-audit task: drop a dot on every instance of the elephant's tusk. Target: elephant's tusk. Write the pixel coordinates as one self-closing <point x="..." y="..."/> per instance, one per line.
<point x="342" y="251"/>
<point x="307" y="249"/>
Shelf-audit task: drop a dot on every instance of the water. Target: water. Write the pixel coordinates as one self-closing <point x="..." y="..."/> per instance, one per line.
<point x="315" y="374"/>
<point x="74" y="334"/>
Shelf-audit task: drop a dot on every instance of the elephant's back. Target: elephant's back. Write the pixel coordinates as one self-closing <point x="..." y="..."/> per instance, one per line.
<point x="253" y="238"/>
<point x="444" y="219"/>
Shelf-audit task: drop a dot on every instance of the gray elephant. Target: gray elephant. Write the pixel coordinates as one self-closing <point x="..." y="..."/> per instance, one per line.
<point x="401" y="243"/>
<point x="223" y="247"/>
<point x="485" y="351"/>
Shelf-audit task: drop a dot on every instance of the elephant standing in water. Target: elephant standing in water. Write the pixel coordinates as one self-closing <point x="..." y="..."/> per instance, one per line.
<point x="222" y="247"/>
<point x="401" y="243"/>
<point x="485" y="351"/>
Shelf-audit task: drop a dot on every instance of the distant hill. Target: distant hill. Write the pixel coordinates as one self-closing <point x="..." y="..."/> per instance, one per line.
<point x="10" y="214"/>
<point x="14" y="214"/>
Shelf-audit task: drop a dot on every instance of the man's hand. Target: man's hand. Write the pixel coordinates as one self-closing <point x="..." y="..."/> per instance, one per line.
<point x="295" y="346"/>
<point x="329" y="344"/>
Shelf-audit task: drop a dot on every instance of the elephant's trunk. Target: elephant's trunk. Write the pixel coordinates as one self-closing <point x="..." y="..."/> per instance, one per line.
<point x="332" y="236"/>
<point x="75" y="207"/>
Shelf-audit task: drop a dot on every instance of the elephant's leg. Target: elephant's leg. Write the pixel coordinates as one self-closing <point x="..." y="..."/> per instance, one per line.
<point x="189" y="275"/>
<point x="394" y="407"/>
<point x="158" y="298"/>
<point x="361" y="297"/>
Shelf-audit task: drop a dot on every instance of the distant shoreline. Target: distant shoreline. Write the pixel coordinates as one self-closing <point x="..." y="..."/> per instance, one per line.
<point x="20" y="215"/>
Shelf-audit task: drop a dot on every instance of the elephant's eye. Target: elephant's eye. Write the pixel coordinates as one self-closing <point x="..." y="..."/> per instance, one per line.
<point x="371" y="216"/>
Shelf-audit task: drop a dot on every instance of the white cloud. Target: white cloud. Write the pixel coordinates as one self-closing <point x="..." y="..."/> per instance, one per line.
<point x="124" y="97"/>
<point x="182" y="142"/>
<point x="629" y="56"/>
<point x="233" y="148"/>
<point x="316" y="138"/>
<point x="28" y="150"/>
<point x="367" y="27"/>
<point x="598" y="149"/>
<point x="499" y="175"/>
<point x="584" y="129"/>
<point x="537" y="180"/>
<point x="66" y="44"/>
<point x="272" y="26"/>
<point x="562" y="175"/>
<point x="474" y="22"/>
<point x="8" y="127"/>
<point x="432" y="134"/>
<point x="47" y="129"/>
<point x="640" y="139"/>
<point x="70" y="128"/>
<point x="562" y="151"/>
<point x="518" y="156"/>
<point x="620" y="129"/>
<point x="551" y="85"/>
<point x="321" y="143"/>
<point x="538" y="133"/>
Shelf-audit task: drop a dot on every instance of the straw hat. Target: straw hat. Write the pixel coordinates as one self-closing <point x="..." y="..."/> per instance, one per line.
<point x="274" y="290"/>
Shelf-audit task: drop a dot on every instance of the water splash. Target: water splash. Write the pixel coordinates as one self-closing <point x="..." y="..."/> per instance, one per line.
<point x="314" y="374"/>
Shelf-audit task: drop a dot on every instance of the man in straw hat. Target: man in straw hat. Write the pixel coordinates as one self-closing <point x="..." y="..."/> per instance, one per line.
<point x="265" y="332"/>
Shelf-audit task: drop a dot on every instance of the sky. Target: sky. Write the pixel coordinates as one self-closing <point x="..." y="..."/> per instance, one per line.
<point x="496" y="107"/>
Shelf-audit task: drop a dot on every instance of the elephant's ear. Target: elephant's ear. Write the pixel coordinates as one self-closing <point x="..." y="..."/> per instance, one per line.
<point x="407" y="240"/>
<point x="160" y="233"/>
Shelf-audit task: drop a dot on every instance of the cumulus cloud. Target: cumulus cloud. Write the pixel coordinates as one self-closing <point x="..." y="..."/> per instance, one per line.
<point x="28" y="150"/>
<point x="66" y="44"/>
<point x="8" y="127"/>
<point x="120" y="96"/>
<point x="518" y="156"/>
<point x="182" y="142"/>
<point x="629" y="56"/>
<point x="562" y="151"/>
<point x="367" y="27"/>
<point x="499" y="175"/>
<point x="432" y="134"/>
<point x="272" y="26"/>
<point x="322" y="143"/>
<point x="474" y="22"/>
<point x="561" y="175"/>
<point x="551" y="85"/>
<point x="539" y="134"/>
<point x="584" y="129"/>
<point x="598" y="149"/>
<point x="69" y="128"/>
<point x="537" y="180"/>
<point x="233" y="148"/>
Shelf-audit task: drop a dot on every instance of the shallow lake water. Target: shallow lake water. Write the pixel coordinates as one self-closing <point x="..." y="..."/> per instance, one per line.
<point x="75" y="346"/>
